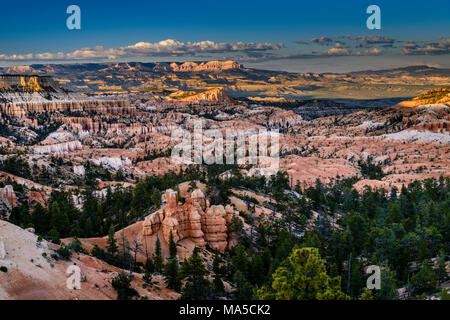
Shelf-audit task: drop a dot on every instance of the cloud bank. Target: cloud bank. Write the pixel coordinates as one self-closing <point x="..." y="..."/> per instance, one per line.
<point x="322" y="47"/>
<point x="442" y="46"/>
<point x="168" y="47"/>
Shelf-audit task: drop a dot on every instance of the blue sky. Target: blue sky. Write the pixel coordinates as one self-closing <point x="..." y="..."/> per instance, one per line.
<point x="37" y="27"/>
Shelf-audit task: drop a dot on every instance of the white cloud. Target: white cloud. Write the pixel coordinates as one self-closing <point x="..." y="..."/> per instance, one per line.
<point x="168" y="47"/>
<point x="427" y="48"/>
<point x="337" y="52"/>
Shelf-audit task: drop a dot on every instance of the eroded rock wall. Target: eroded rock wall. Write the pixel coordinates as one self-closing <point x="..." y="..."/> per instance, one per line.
<point x="193" y="220"/>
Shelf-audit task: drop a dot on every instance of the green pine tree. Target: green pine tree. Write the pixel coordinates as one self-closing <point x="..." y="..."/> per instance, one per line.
<point x="171" y="273"/>
<point x="304" y="278"/>
<point x="197" y="287"/>
<point x="112" y="243"/>
<point x="172" y="246"/>
<point x="157" y="258"/>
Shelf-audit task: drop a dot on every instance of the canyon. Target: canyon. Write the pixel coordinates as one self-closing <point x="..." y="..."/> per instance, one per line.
<point x="57" y="140"/>
<point x="380" y="87"/>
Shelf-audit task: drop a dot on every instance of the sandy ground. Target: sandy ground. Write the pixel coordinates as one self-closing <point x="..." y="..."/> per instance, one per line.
<point x="31" y="276"/>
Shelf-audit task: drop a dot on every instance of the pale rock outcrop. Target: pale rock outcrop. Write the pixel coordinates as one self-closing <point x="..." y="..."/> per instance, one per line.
<point x="22" y="109"/>
<point x="2" y="250"/>
<point x="115" y="163"/>
<point x="78" y="201"/>
<point x="8" y="196"/>
<point x="59" y="148"/>
<point x="79" y="170"/>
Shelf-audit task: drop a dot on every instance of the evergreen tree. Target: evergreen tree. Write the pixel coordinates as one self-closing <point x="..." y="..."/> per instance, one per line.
<point x="157" y="259"/>
<point x="112" y="244"/>
<point x="424" y="280"/>
<point x="367" y="294"/>
<point x="193" y="271"/>
<point x="122" y="284"/>
<point x="256" y="272"/>
<point x="219" y="288"/>
<point x="357" y="281"/>
<point x="88" y="228"/>
<point x="442" y="270"/>
<point x="243" y="288"/>
<point x="122" y="219"/>
<point x="149" y="266"/>
<point x="388" y="290"/>
<point x="141" y="199"/>
<point x="59" y="220"/>
<point x="219" y="269"/>
<point x="445" y="294"/>
<point x="99" y="220"/>
<point x="155" y="197"/>
<point x="305" y="277"/>
<point x="240" y="260"/>
<point x="40" y="219"/>
<point x="125" y="256"/>
<point x="171" y="274"/>
<point x="172" y="246"/>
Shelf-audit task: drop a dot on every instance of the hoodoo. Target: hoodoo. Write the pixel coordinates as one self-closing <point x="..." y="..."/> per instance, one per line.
<point x="195" y="220"/>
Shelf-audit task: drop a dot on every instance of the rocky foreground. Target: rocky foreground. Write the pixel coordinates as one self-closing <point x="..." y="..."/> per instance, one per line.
<point x="35" y="271"/>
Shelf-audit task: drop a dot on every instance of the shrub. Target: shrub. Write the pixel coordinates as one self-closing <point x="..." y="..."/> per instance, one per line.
<point x="64" y="253"/>
<point x="445" y="294"/>
<point x="122" y="285"/>
<point x="77" y="246"/>
<point x="3" y="269"/>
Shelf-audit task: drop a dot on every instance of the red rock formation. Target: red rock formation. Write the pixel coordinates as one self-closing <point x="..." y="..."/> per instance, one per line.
<point x="205" y="66"/>
<point x="190" y="221"/>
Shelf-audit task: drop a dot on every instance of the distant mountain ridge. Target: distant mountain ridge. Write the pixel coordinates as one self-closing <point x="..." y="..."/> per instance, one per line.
<point x="53" y="69"/>
<point x="238" y="81"/>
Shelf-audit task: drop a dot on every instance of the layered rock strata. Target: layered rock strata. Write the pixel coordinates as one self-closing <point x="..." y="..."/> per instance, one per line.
<point x="194" y="220"/>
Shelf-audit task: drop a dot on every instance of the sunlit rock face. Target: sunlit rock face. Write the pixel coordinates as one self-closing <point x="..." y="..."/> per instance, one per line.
<point x="32" y="106"/>
<point x="194" y="220"/>
<point x="24" y="95"/>
<point x="205" y="66"/>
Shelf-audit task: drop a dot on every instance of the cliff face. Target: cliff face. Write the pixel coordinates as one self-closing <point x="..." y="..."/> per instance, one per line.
<point x="59" y="148"/>
<point x="27" y="83"/>
<point x="436" y="97"/>
<point x="23" y="109"/>
<point x="213" y="95"/>
<point x="22" y="95"/>
<point x="215" y="66"/>
<point x="193" y="220"/>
